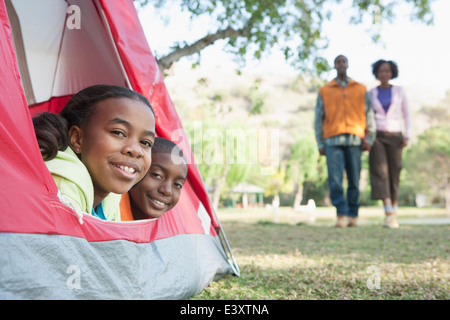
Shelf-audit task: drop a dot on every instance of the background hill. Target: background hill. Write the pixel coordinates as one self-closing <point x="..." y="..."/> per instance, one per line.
<point x="267" y="100"/>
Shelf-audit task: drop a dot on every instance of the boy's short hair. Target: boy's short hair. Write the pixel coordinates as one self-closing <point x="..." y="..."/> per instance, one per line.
<point x="338" y="56"/>
<point x="163" y="145"/>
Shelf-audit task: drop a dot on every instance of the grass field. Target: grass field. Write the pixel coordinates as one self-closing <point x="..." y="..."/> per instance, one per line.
<point x="299" y="255"/>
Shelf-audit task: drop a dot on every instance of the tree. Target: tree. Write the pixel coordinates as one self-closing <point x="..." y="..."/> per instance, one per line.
<point x="302" y="164"/>
<point x="223" y="154"/>
<point x="428" y="162"/>
<point x="256" y="26"/>
<point x="276" y="183"/>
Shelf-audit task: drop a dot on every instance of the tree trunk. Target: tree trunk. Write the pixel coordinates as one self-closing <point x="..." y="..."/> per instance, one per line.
<point x="218" y="184"/>
<point x="276" y="202"/>
<point x="447" y="195"/>
<point x="298" y="196"/>
<point x="276" y="207"/>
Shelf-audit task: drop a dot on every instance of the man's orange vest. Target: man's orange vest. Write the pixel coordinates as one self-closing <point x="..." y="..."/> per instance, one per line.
<point x="344" y="109"/>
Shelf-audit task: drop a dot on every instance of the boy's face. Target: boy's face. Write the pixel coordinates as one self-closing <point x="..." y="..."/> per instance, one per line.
<point x="160" y="189"/>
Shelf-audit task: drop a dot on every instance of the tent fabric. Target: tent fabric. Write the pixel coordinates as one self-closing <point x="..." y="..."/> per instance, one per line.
<point x="54" y="51"/>
<point x="20" y="153"/>
<point x="172" y="257"/>
<point x="35" y="267"/>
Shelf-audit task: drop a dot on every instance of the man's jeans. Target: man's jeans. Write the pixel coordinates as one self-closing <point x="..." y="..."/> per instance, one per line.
<point x="338" y="159"/>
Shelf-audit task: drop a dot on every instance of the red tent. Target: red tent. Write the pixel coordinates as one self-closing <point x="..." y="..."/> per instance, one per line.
<point x="50" y="50"/>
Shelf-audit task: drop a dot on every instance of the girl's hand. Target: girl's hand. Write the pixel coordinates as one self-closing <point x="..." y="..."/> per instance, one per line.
<point x="405" y="142"/>
<point x="365" y="146"/>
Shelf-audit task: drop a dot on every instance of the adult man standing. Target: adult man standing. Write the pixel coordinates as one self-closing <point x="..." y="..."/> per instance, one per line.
<point x="344" y="125"/>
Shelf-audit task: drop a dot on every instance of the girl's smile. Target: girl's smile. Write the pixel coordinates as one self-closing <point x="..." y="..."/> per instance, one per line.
<point x="129" y="170"/>
<point x="115" y="146"/>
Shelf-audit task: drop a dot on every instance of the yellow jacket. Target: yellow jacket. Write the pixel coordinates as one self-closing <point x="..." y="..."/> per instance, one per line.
<point x="73" y="181"/>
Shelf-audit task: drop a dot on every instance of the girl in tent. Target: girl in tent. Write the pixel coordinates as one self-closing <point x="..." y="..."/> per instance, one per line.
<point x="98" y="147"/>
<point x="160" y="189"/>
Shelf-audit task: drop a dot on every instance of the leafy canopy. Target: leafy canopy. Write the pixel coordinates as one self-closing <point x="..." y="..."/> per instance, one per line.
<point x="294" y="26"/>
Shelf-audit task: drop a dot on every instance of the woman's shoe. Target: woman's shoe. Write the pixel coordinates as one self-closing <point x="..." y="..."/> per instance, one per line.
<point x="391" y="221"/>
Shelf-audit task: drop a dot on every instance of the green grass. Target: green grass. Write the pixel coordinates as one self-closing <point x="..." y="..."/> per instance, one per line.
<point x="293" y="259"/>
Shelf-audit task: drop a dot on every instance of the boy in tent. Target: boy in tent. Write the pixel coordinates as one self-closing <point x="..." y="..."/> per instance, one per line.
<point x="160" y="190"/>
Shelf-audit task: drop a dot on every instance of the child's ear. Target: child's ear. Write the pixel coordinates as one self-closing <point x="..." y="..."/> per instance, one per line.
<point x="76" y="139"/>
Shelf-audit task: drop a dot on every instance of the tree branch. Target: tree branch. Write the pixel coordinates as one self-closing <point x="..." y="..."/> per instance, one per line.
<point x="167" y="61"/>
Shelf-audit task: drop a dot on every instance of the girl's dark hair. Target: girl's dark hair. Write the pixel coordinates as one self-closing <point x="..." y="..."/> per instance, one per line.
<point x="52" y="134"/>
<point x="52" y="130"/>
<point x="394" y="68"/>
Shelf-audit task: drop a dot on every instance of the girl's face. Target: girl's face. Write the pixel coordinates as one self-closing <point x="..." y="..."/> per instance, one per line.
<point x="115" y="146"/>
<point x="161" y="188"/>
<point x="384" y="73"/>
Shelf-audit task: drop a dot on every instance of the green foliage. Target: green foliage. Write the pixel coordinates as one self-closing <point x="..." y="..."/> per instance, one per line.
<point x="302" y="163"/>
<point x="293" y="26"/>
<point x="428" y="160"/>
<point x="256" y="99"/>
<point x="222" y="150"/>
<point x="430" y="156"/>
<point x="306" y="168"/>
<point x="278" y="183"/>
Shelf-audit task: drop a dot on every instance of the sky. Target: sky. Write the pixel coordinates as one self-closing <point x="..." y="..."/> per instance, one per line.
<point x="422" y="52"/>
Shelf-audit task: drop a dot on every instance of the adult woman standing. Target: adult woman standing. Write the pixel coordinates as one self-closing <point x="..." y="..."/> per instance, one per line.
<point x="385" y="158"/>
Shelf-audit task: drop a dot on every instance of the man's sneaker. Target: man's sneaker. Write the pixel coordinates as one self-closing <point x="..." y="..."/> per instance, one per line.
<point x="391" y="220"/>
<point x="352" y="222"/>
<point x="342" y="221"/>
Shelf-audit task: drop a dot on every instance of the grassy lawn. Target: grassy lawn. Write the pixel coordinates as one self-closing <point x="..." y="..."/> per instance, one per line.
<point x="287" y="256"/>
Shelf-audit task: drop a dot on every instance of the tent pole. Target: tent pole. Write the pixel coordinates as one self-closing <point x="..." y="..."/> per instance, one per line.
<point x="20" y="52"/>
<point x="226" y="247"/>
<point x="114" y="44"/>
